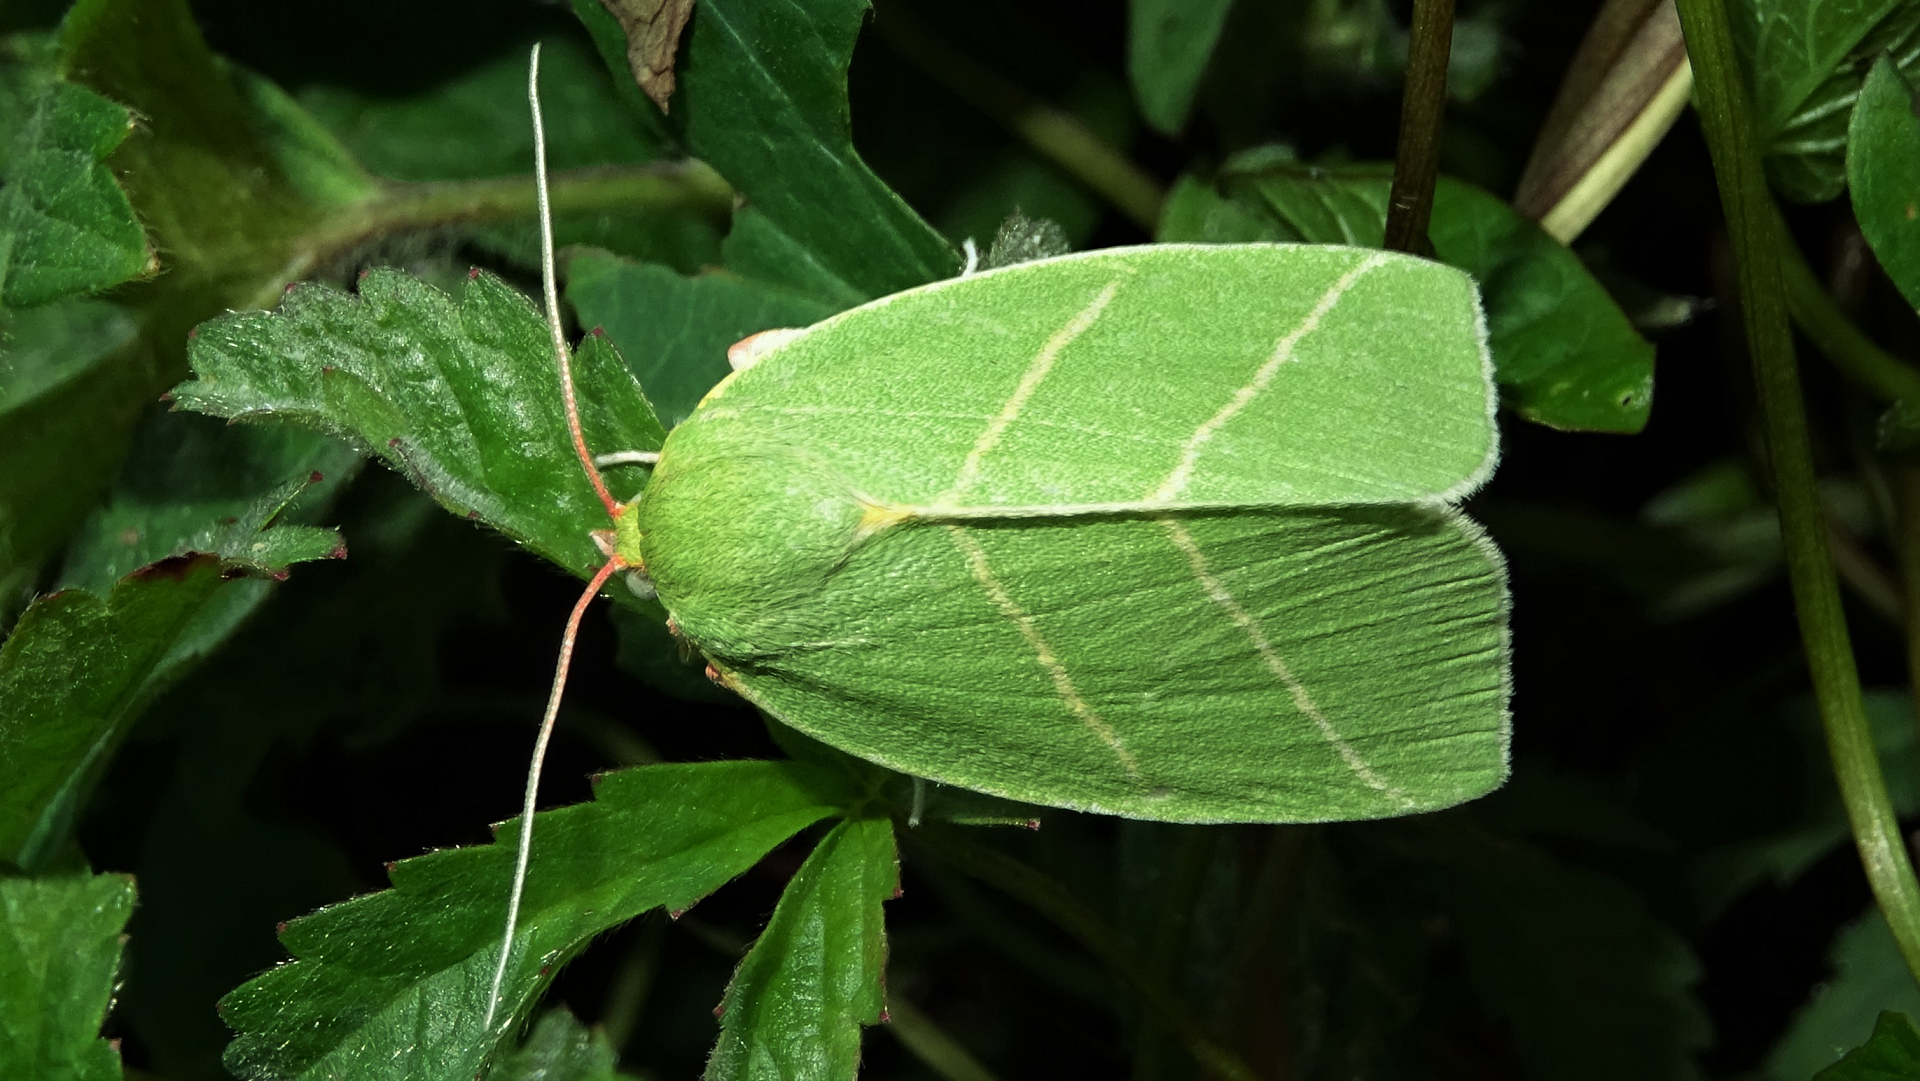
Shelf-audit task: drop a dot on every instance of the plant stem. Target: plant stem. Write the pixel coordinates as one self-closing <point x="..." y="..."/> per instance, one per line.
<point x="1858" y="357"/>
<point x="1627" y="84"/>
<point x="1055" y="133"/>
<point x="1906" y="543"/>
<point x="690" y="186"/>
<point x="1753" y="227"/>
<point x="1084" y="925"/>
<point x="1416" y="159"/>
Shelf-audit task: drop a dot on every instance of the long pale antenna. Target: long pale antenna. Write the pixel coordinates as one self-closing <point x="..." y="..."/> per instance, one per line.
<point x="560" y="351"/>
<point x="564" y="360"/>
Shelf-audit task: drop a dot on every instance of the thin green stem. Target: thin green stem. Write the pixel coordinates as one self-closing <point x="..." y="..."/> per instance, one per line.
<point x="1055" y="133"/>
<point x="1054" y="901"/>
<point x="1753" y="227"/>
<point x="633" y="983"/>
<point x="1170" y="936"/>
<point x="931" y="1044"/>
<point x="1872" y="368"/>
<point x="690" y="187"/>
<point x="1416" y="159"/>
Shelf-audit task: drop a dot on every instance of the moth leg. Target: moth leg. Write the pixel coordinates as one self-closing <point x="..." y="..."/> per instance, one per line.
<point x="627" y="457"/>
<point x="919" y="802"/>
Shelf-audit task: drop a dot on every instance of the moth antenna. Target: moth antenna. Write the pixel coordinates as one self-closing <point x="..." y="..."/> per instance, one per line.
<point x="565" y="361"/>
<point x="560" y="351"/>
<point x="533" y="782"/>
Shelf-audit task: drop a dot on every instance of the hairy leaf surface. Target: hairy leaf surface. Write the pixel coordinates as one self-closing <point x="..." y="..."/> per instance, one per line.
<point x="59" y="950"/>
<point x="816" y="976"/>
<point x="463" y="398"/>
<point x="364" y="1000"/>
<point x="66" y="228"/>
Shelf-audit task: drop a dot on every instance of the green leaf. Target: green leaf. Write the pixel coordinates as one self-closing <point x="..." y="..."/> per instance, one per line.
<point x="1883" y="157"/>
<point x="986" y="533"/>
<point x="798" y="1001"/>
<point x="1892" y="1054"/>
<point x="560" y="1049"/>
<point x="59" y="949"/>
<point x="1527" y="920"/>
<point x="474" y="126"/>
<point x="1869" y="977"/>
<point x="463" y="398"/>
<point x="44" y="348"/>
<point x="192" y="484"/>
<point x="763" y="99"/>
<point x="207" y="175"/>
<point x="66" y="228"/>
<point x="200" y="175"/>
<point x="1563" y="352"/>
<point x="676" y="330"/>
<point x="1169" y="44"/>
<point x="78" y="669"/>
<point x="1805" y="60"/>
<point x="77" y="377"/>
<point x="453" y="130"/>
<point x="394" y="984"/>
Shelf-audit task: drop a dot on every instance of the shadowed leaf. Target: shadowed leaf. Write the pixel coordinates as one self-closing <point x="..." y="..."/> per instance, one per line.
<point x="360" y="1001"/>
<point x="1883" y="158"/>
<point x="763" y="95"/>
<point x="675" y="331"/>
<point x="560" y="1049"/>
<point x="1868" y="976"/>
<point x="1892" y="1054"/>
<point x="1805" y="60"/>
<point x="79" y="668"/>
<point x="66" y="228"/>
<point x="59" y="949"/>
<point x="1169" y="44"/>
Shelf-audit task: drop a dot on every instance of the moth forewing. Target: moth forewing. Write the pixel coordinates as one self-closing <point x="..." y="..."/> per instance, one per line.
<point x="1173" y="375"/>
<point x="1164" y="532"/>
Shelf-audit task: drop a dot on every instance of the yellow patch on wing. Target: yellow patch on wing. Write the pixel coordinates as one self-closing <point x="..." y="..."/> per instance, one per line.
<point x="875" y="517"/>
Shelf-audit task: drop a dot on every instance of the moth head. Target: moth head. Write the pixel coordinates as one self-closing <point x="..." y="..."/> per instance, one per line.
<point x="729" y="538"/>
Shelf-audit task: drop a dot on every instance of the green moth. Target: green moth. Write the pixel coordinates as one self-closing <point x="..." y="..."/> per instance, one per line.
<point x="1166" y="532"/>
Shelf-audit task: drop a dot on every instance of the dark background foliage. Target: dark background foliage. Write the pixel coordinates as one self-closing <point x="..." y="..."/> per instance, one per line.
<point x="1664" y="889"/>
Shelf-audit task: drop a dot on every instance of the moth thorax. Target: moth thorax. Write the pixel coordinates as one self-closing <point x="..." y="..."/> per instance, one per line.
<point x="732" y="540"/>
